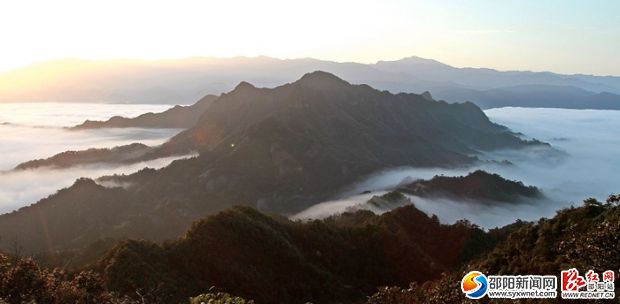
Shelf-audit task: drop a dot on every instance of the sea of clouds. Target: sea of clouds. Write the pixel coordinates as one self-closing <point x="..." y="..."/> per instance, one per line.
<point x="39" y="130"/>
<point x="586" y="163"/>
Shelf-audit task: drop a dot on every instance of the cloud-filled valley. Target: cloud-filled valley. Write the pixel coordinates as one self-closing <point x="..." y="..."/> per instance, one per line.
<point x="33" y="131"/>
<point x="24" y="187"/>
<point x="584" y="165"/>
<point x="581" y="164"/>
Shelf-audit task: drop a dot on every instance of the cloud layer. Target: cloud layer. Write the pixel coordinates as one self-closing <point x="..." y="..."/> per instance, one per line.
<point x="587" y="166"/>
<point x="36" y="130"/>
<point x="21" y="188"/>
<point x="32" y="131"/>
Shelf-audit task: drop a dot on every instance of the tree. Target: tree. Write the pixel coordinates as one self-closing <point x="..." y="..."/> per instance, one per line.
<point x="218" y="298"/>
<point x="592" y="202"/>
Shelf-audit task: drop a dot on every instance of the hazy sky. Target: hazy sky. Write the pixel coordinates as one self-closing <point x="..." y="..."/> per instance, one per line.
<point x="570" y="36"/>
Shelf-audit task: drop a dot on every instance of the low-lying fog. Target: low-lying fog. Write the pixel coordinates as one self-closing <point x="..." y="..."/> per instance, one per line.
<point x="69" y="114"/>
<point x="22" y="188"/>
<point x="37" y="130"/>
<point x="588" y="166"/>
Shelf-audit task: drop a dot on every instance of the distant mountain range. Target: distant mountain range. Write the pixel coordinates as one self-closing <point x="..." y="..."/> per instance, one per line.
<point x="279" y="150"/>
<point x="535" y="96"/>
<point x="187" y="80"/>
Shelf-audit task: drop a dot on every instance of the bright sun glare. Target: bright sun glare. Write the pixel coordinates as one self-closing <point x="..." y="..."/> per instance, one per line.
<point x="362" y="31"/>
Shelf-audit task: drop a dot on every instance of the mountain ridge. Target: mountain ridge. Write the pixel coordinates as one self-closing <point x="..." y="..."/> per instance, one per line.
<point x="287" y="148"/>
<point x="478" y="186"/>
<point x="181" y="117"/>
<point x="184" y="81"/>
<point x="341" y="259"/>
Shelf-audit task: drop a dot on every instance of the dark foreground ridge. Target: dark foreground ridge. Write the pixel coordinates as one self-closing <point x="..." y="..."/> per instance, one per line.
<point x="275" y="260"/>
<point x="342" y="259"/>
<point x="583" y="238"/>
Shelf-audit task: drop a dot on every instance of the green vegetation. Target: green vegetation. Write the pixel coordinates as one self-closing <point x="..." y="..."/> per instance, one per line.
<point x="218" y="298"/>
<point x="585" y="238"/>
<point x="275" y="260"/>
<point x="341" y="259"/>
<point x="23" y="281"/>
<point x="478" y="185"/>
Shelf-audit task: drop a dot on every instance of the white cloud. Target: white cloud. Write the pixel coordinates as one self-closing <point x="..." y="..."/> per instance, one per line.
<point x="588" y="168"/>
<point x="37" y="131"/>
<point x="22" y="188"/>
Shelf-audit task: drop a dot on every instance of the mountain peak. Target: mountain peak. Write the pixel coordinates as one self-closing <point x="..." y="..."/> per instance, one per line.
<point x="414" y="61"/>
<point x="427" y="95"/>
<point x="244" y="85"/>
<point x="321" y="79"/>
